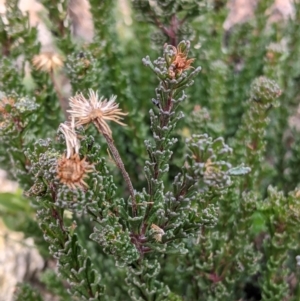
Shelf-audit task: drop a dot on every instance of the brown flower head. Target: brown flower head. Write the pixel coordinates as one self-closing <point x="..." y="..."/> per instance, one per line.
<point x="157" y="232"/>
<point x="72" y="171"/>
<point x="71" y="138"/>
<point x="179" y="62"/>
<point x="6" y="103"/>
<point x="92" y="109"/>
<point x="47" y="61"/>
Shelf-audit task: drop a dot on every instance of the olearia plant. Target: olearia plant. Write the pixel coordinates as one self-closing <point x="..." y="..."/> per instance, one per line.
<point x="137" y="228"/>
<point x="153" y="179"/>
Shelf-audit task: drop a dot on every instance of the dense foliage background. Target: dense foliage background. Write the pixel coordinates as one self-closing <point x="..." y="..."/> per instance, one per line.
<point x="228" y="233"/>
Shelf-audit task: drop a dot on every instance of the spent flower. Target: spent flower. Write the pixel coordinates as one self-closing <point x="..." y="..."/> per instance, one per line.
<point x="179" y="60"/>
<point x="72" y="171"/>
<point x="157" y="232"/>
<point x="97" y="110"/>
<point x="47" y="61"/>
<point x="72" y="141"/>
<point x="6" y="103"/>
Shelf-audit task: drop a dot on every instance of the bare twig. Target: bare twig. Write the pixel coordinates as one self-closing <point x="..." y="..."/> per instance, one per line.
<point x="117" y="158"/>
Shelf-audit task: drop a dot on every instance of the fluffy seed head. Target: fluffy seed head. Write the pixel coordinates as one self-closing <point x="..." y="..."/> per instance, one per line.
<point x="47" y="61"/>
<point x="72" y="141"/>
<point x="157" y="232"/>
<point x="92" y="109"/>
<point x="6" y="103"/>
<point x="72" y="171"/>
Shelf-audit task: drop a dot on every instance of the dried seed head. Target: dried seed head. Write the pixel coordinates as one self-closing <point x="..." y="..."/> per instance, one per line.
<point x="157" y="232"/>
<point x="72" y="142"/>
<point x="6" y="103"/>
<point x="72" y="171"/>
<point x="210" y="167"/>
<point x="92" y="109"/>
<point x="47" y="61"/>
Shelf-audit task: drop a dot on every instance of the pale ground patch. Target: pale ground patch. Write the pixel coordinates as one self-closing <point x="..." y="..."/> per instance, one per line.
<point x="19" y="259"/>
<point x="241" y="11"/>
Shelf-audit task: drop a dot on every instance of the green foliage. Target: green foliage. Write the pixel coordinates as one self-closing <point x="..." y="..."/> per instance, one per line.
<point x="53" y="284"/>
<point x="26" y="293"/>
<point x="17" y="37"/>
<point x="249" y="139"/>
<point x="197" y="198"/>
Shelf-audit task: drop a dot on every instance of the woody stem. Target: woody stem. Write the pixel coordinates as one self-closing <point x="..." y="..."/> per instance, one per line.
<point x="62" y="100"/>
<point x="116" y="156"/>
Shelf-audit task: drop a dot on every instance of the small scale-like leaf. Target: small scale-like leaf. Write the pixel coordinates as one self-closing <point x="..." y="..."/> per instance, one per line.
<point x="239" y="170"/>
<point x="258" y="222"/>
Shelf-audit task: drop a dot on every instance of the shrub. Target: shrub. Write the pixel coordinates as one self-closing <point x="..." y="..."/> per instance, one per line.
<point x="153" y="180"/>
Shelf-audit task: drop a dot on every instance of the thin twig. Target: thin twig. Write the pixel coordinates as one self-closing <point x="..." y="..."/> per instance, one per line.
<point x="62" y="100"/>
<point x="117" y="158"/>
<point x="183" y="20"/>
